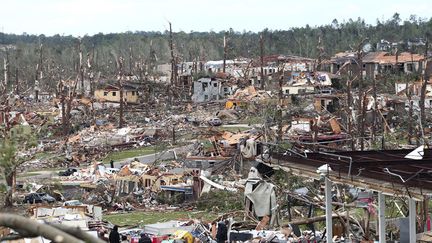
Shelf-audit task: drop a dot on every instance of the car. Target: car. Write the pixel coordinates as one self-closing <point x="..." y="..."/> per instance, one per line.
<point x="214" y="122"/>
<point x="67" y="172"/>
<point x="38" y="198"/>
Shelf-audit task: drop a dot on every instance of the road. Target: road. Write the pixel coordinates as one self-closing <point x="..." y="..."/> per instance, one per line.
<point x="145" y="159"/>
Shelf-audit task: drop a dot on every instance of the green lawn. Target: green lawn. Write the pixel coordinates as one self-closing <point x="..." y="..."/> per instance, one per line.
<point x="234" y="129"/>
<point x="28" y="174"/>
<point x="131" y="153"/>
<point x="143" y="218"/>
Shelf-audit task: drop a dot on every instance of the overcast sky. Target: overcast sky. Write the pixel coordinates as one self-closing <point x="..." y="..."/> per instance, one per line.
<point x="80" y="17"/>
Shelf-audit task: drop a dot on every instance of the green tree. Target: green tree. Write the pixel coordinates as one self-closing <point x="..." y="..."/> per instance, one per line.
<point x="15" y="149"/>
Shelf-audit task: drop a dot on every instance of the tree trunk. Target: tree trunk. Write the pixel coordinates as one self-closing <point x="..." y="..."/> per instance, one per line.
<point x="361" y="124"/>
<point x="279" y="110"/>
<point x="349" y="114"/>
<point x="90" y="65"/>
<point x="9" y="177"/>
<point x="262" y="61"/>
<point x="423" y="90"/>
<point x="130" y="61"/>
<point x="374" y="113"/>
<point x="173" y="61"/>
<point x="63" y="107"/>
<point x="39" y="74"/>
<point x="81" y="67"/>
<point x="6" y="72"/>
<point x="225" y="52"/>
<point x="17" y="90"/>
<point x="120" y="83"/>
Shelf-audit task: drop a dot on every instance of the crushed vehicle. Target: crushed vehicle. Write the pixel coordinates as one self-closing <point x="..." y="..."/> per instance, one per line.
<point x="67" y="172"/>
<point x="214" y="121"/>
<point x="38" y="198"/>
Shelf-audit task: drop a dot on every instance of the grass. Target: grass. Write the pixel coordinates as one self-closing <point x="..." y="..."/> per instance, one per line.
<point x="131" y="153"/>
<point x="28" y="174"/>
<point x="234" y="129"/>
<point x="143" y="218"/>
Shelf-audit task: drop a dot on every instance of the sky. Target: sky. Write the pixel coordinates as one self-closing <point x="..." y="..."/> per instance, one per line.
<point x="89" y="17"/>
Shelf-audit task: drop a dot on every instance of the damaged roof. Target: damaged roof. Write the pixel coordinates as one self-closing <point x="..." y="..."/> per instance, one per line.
<point x="387" y="58"/>
<point x="389" y="167"/>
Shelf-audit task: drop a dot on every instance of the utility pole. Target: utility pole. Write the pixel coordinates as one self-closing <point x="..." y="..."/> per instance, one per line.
<point x="262" y="61"/>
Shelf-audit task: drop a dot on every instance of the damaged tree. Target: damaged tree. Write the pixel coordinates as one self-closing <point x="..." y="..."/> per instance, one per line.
<point x="173" y="59"/>
<point x="120" y="84"/>
<point x="39" y="72"/>
<point x="423" y="89"/>
<point x="81" y="67"/>
<point x="362" y="94"/>
<point x="262" y="61"/>
<point x="28" y="228"/>
<point x="66" y="98"/>
<point x="225" y="49"/>
<point x="6" y="72"/>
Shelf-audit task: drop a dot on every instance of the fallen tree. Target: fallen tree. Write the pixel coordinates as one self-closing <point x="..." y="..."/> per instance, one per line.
<point x="28" y="228"/>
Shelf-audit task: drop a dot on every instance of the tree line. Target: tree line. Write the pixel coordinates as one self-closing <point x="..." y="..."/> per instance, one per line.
<point x="58" y="56"/>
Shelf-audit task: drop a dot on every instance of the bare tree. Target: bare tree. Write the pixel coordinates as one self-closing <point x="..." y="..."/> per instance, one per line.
<point x="320" y="48"/>
<point x="263" y="81"/>
<point x="6" y="71"/>
<point x="280" y="72"/>
<point x="173" y="59"/>
<point x="16" y="74"/>
<point x="225" y="49"/>
<point x="39" y="72"/>
<point x="361" y="99"/>
<point x="90" y="66"/>
<point x="81" y="66"/>
<point x="349" y="104"/>
<point x="130" y="61"/>
<point x="423" y="87"/>
<point x="120" y="84"/>
<point x="68" y="94"/>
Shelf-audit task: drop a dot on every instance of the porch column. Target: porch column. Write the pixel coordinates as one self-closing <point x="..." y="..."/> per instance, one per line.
<point x="381" y="218"/>
<point x="412" y="220"/>
<point x="329" y="213"/>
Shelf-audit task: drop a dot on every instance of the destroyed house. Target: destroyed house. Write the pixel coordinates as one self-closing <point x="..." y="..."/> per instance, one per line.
<point x="328" y="103"/>
<point x="111" y="93"/>
<point x="376" y="63"/>
<point x="343" y="63"/>
<point x="415" y="90"/>
<point x="210" y="89"/>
